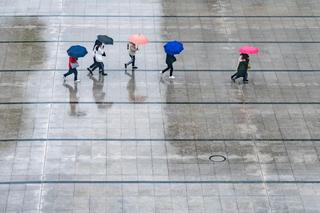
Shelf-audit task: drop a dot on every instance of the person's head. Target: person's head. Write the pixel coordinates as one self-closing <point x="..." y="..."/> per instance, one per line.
<point x="98" y="46"/>
<point x="244" y="56"/>
<point x="97" y="42"/>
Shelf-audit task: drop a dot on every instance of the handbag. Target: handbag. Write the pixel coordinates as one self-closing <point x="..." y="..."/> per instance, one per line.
<point x="74" y="65"/>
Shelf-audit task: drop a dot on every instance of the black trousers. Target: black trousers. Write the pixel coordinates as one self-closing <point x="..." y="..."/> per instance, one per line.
<point x="74" y="71"/>
<point x="170" y="67"/>
<point x="101" y="67"/>
<point x="235" y="76"/>
<point x="95" y="64"/>
<point x="132" y="61"/>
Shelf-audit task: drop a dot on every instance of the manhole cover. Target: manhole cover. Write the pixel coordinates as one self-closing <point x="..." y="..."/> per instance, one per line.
<point x="217" y="158"/>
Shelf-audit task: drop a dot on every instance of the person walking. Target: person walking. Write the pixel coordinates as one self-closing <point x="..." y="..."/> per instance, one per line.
<point x="99" y="53"/>
<point x="95" y="64"/>
<point x="242" y="69"/>
<point x="170" y="59"/>
<point x="132" y="49"/>
<point x="73" y="64"/>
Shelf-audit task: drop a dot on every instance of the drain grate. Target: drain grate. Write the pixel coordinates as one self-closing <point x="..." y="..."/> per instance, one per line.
<point x="217" y="158"/>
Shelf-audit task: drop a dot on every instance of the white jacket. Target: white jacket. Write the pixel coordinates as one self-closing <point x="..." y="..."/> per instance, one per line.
<point x="132" y="49"/>
<point x="98" y="54"/>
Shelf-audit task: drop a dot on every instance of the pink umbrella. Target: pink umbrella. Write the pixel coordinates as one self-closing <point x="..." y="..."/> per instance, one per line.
<point x="138" y="39"/>
<point x="249" y="50"/>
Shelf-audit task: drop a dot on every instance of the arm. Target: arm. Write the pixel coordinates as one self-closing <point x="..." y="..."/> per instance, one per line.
<point x="239" y="60"/>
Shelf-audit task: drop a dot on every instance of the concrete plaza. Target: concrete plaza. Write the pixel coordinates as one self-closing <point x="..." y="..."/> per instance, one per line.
<point x="138" y="142"/>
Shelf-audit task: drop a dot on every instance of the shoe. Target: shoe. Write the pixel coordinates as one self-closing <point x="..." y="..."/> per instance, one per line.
<point x="125" y="66"/>
<point x="172" y="77"/>
<point x="134" y="67"/>
<point x="233" y="80"/>
<point x="104" y="74"/>
<point x="77" y="81"/>
<point x="64" y="78"/>
<point x="245" y="81"/>
<point x="161" y="72"/>
<point x="90" y="71"/>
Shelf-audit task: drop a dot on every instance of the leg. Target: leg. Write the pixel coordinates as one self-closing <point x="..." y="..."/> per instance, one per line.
<point x="166" y="69"/>
<point x="171" y="69"/>
<point x="75" y="71"/>
<point x="68" y="73"/>
<point x="95" y="66"/>
<point x="101" y="68"/>
<point x="234" y="75"/>
<point x="94" y="63"/>
<point x="133" y="62"/>
<point x="245" y="78"/>
<point x="127" y="64"/>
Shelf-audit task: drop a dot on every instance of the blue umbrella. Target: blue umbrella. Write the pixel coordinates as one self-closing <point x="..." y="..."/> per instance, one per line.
<point x="173" y="47"/>
<point x="77" y="51"/>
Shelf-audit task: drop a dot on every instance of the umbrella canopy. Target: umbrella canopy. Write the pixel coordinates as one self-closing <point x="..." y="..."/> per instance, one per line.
<point x="173" y="47"/>
<point x="249" y="50"/>
<point x="138" y="39"/>
<point x="77" y="51"/>
<point x="105" y="39"/>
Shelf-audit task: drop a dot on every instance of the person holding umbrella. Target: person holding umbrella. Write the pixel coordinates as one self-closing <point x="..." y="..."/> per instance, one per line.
<point x="170" y="59"/>
<point x="243" y="63"/>
<point x="99" y="53"/>
<point x="95" y="64"/>
<point x="242" y="70"/>
<point x="74" y="53"/>
<point x="132" y="47"/>
<point x="171" y="48"/>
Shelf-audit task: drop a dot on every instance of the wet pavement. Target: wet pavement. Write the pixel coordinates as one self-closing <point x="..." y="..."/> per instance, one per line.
<point x="137" y="142"/>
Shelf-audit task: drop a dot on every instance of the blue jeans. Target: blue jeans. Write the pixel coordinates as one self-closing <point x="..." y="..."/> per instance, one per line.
<point x="74" y="71"/>
<point x="132" y="61"/>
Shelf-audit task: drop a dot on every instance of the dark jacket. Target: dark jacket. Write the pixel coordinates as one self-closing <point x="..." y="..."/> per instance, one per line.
<point x="242" y="68"/>
<point x="170" y="59"/>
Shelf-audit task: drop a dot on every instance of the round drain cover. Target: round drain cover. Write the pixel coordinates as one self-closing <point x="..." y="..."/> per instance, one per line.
<point x="217" y="158"/>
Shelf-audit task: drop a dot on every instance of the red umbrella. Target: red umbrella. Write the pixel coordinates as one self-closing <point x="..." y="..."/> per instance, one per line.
<point x="138" y="39"/>
<point x="249" y="50"/>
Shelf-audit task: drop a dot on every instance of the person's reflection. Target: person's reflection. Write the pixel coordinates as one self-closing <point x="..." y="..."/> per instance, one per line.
<point x="174" y="124"/>
<point x="131" y="87"/>
<point x="97" y="91"/>
<point x="73" y="100"/>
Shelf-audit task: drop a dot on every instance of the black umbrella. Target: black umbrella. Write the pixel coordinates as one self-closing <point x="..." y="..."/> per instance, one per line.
<point x="105" y="39"/>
